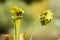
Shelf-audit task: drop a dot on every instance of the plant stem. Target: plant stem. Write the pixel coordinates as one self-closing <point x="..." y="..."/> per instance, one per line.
<point x="32" y="33"/>
<point x="33" y="27"/>
<point x="16" y="29"/>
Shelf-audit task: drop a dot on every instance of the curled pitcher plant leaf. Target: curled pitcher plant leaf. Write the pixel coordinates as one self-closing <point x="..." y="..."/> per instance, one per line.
<point x="46" y="17"/>
<point x="16" y="10"/>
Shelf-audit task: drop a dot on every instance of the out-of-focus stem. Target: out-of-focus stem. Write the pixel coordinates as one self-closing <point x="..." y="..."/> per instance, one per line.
<point x="31" y="33"/>
<point x="33" y="27"/>
<point x="7" y="36"/>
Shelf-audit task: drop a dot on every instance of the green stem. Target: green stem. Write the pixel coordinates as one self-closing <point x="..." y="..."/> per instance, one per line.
<point x="33" y="28"/>
<point x="16" y="29"/>
<point x="32" y="33"/>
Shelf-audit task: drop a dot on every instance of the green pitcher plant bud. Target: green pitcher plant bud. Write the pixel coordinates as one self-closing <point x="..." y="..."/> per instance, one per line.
<point x="46" y="17"/>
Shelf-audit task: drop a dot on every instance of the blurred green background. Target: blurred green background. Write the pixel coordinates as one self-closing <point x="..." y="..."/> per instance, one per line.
<point x="32" y="9"/>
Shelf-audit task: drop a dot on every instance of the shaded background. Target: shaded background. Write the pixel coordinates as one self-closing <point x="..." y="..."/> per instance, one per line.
<point x="32" y="9"/>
